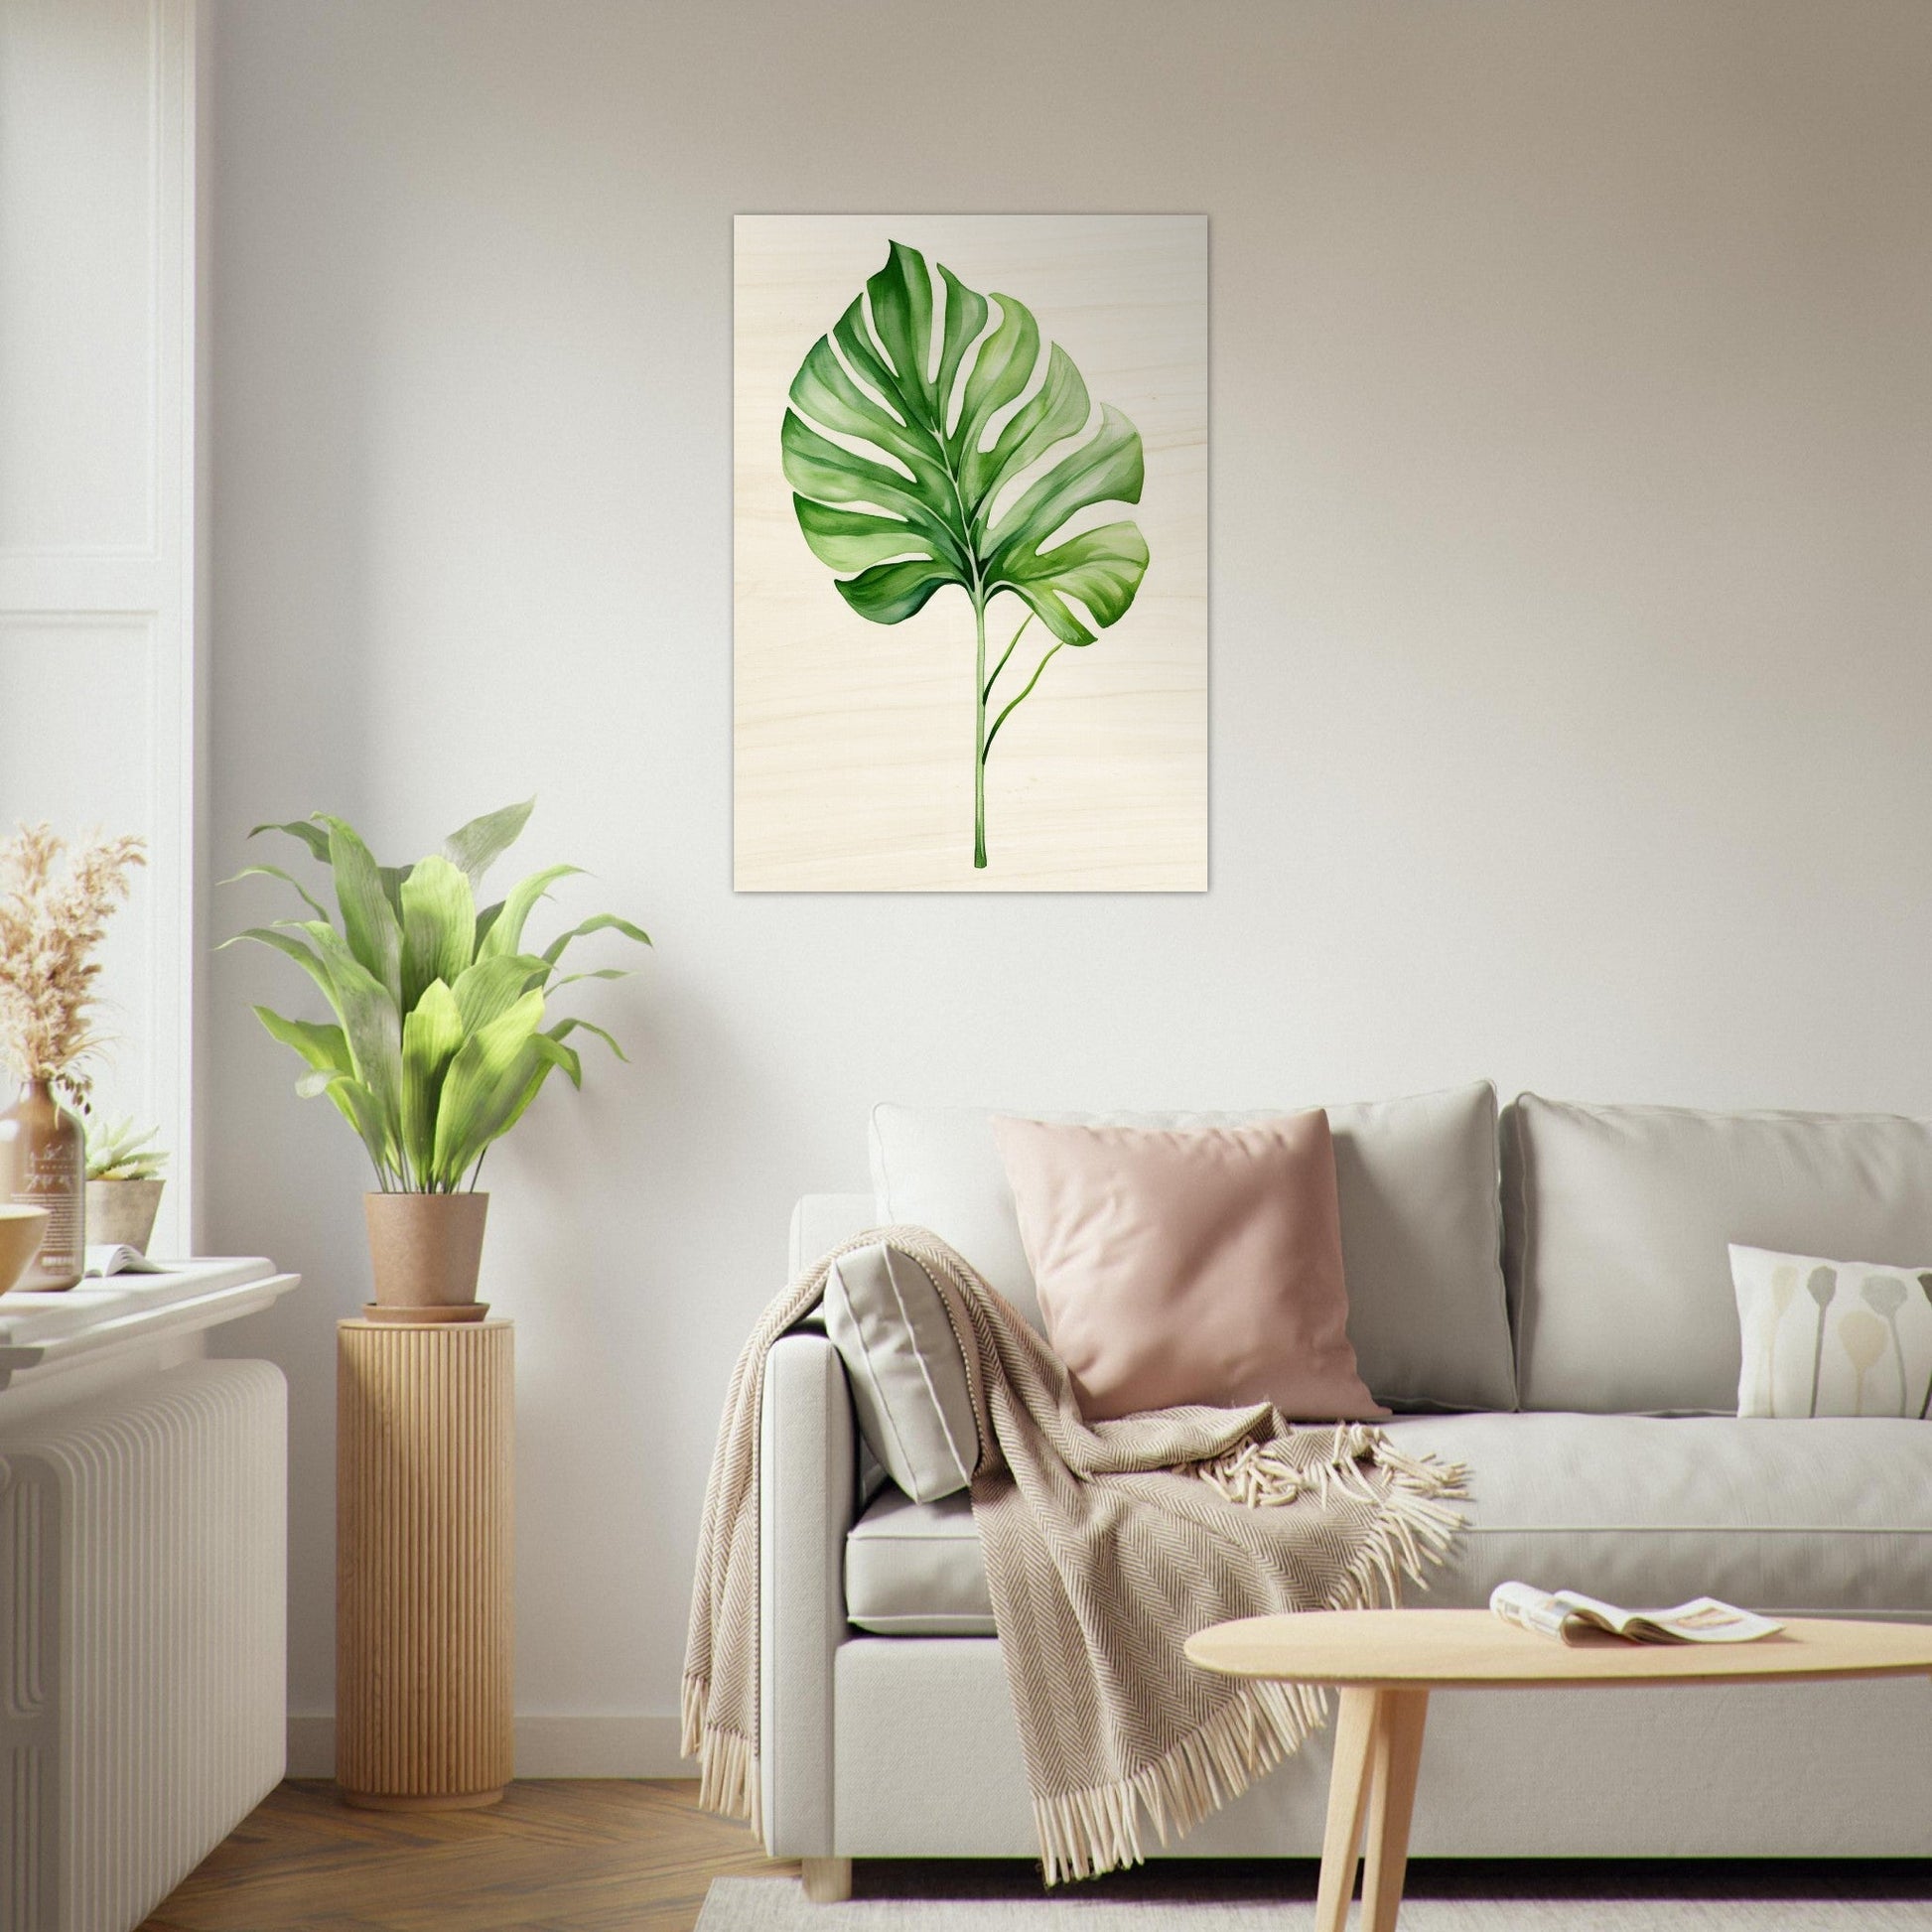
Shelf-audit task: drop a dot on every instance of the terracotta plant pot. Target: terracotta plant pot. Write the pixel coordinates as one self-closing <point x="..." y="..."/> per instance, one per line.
<point x="22" y="1230"/>
<point x="121" y="1213"/>
<point x="427" y="1249"/>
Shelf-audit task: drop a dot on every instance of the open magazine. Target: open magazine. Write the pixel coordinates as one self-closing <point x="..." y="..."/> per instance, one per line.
<point x="114" y="1258"/>
<point x="1575" y="1618"/>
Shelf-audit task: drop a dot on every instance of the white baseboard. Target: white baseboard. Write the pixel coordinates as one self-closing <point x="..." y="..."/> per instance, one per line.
<point x="616" y="1745"/>
<point x="548" y="1745"/>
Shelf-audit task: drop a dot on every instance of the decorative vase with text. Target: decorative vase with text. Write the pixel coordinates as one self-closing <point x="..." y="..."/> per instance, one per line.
<point x="43" y="1165"/>
<point x="55" y="901"/>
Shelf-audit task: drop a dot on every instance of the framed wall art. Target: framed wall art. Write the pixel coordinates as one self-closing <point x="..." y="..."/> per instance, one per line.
<point x="970" y="553"/>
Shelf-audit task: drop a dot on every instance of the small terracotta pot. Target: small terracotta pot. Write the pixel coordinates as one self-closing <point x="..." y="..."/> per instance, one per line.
<point x="121" y="1212"/>
<point x="427" y="1249"/>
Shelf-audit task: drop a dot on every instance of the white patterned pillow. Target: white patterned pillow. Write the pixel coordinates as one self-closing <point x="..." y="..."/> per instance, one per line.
<point x="1832" y="1337"/>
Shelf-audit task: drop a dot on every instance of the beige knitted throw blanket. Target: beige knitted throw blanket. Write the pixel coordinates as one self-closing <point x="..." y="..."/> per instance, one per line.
<point x="1107" y="1545"/>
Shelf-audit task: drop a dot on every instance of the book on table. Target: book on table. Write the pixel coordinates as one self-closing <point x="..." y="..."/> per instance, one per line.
<point x="1572" y="1617"/>
<point x="116" y="1258"/>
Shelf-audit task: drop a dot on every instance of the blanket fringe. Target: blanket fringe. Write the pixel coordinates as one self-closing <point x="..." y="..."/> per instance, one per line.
<point x="693" y="1701"/>
<point x="1085" y="1833"/>
<point x="1416" y="1525"/>
<point x="728" y="1781"/>
<point x="1412" y="1493"/>
<point x="728" y="1762"/>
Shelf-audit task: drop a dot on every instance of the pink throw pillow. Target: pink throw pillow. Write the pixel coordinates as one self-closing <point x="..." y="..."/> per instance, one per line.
<point x="1178" y="1266"/>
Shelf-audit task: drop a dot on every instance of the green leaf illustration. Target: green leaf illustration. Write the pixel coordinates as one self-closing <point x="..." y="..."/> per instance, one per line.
<point x="918" y="383"/>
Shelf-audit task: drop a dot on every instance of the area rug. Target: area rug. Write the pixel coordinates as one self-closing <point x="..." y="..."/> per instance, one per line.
<point x="1475" y="1896"/>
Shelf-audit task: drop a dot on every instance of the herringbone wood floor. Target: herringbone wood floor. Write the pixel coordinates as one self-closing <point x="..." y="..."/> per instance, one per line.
<point x="584" y="1855"/>
<point x="575" y="1856"/>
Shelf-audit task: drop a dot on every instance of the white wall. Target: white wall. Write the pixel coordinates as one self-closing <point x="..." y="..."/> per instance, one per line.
<point x="1572" y="483"/>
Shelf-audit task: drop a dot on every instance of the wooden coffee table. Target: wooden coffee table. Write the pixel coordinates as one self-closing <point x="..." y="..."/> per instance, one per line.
<point x="1386" y="1663"/>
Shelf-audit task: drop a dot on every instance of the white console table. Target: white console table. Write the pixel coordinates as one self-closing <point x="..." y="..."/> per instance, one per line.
<point x="143" y="1630"/>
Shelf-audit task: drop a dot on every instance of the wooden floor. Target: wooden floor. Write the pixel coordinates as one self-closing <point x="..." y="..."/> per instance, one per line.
<point x="587" y="1856"/>
<point x="575" y="1856"/>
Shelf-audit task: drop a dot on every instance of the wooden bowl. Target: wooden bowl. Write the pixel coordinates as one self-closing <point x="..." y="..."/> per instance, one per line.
<point x="22" y="1230"/>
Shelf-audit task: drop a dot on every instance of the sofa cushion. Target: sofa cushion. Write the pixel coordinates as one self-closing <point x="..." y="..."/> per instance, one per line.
<point x="909" y="1388"/>
<point x="1179" y="1268"/>
<point x="1832" y="1337"/>
<point x="1828" y="1518"/>
<point x="1824" y="1518"/>
<point x="1420" y="1227"/>
<point x="1619" y="1221"/>
<point x="915" y="1569"/>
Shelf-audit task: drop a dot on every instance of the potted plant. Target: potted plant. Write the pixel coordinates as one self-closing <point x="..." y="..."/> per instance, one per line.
<point x="54" y="904"/>
<point x="439" y="1041"/>
<point x="124" y="1183"/>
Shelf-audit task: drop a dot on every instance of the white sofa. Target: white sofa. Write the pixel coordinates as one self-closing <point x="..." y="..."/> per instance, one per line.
<point x="1554" y="1310"/>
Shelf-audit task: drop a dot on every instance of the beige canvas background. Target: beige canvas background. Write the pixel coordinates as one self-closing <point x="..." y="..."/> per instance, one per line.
<point x="852" y="742"/>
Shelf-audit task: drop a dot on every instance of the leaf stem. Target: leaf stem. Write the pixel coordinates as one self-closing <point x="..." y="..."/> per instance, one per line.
<point x="1002" y="664"/>
<point x="981" y="738"/>
<point x="985" y="748"/>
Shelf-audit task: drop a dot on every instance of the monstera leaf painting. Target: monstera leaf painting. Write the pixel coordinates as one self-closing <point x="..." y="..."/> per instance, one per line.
<point x="914" y="472"/>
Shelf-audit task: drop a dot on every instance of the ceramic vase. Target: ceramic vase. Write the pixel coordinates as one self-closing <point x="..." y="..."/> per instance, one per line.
<point x="43" y="1164"/>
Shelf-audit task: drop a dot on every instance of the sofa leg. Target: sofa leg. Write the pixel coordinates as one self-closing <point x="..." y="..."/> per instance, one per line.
<point x="828" y="1881"/>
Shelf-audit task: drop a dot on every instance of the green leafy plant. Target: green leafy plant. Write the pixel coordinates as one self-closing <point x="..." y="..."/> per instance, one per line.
<point x="438" y="1045"/>
<point x="932" y="506"/>
<point x="120" y="1151"/>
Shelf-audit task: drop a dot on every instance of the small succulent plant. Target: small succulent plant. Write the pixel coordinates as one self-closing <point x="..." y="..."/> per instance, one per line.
<point x="120" y="1151"/>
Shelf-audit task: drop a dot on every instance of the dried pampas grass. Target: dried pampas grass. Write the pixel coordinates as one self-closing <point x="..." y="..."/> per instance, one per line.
<point x="52" y="918"/>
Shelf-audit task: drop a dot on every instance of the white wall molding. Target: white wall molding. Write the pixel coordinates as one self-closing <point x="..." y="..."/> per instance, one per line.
<point x="626" y="1744"/>
<point x="98" y="519"/>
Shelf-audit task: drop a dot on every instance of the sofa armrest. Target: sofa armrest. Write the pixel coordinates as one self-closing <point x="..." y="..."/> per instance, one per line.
<point x="808" y="1488"/>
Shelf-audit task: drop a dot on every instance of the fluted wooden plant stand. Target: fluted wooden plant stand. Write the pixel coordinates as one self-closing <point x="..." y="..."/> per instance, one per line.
<point x="423" y="1563"/>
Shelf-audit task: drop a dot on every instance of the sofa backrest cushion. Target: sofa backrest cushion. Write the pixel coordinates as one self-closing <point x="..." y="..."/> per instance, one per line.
<point x="819" y="1222"/>
<point x="1420" y="1227"/>
<point x="1618" y="1226"/>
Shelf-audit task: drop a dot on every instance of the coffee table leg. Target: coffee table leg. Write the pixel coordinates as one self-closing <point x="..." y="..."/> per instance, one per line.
<point x="1356" y="1727"/>
<point x="1396" y="1754"/>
